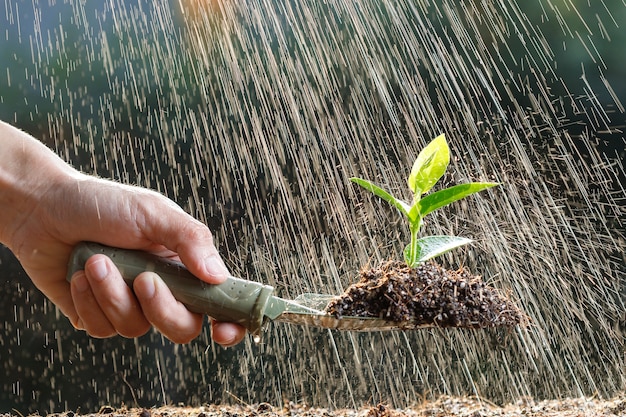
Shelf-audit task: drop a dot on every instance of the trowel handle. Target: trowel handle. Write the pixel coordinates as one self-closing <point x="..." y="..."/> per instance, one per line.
<point x="235" y="300"/>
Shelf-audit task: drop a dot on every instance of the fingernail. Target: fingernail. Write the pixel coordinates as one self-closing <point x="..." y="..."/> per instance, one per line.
<point x="99" y="269"/>
<point x="149" y="288"/>
<point x="80" y="282"/>
<point x="231" y="338"/>
<point x="215" y="267"/>
<point x="228" y="334"/>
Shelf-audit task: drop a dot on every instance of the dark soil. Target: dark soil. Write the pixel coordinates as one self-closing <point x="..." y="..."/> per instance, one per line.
<point x="442" y="407"/>
<point x="426" y="295"/>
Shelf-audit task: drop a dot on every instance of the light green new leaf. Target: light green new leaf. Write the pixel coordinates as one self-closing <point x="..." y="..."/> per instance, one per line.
<point x="399" y="204"/>
<point x="432" y="246"/>
<point x="442" y="198"/>
<point x="430" y="165"/>
<point x="428" y="168"/>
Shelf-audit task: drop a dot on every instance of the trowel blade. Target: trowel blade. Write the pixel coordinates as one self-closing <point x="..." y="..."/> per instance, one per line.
<point x="308" y="310"/>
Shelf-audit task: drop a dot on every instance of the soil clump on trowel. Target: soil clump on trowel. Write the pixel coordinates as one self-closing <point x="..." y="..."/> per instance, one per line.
<point x="428" y="295"/>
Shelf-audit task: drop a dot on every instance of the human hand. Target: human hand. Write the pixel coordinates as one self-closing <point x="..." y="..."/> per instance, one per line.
<point x="57" y="207"/>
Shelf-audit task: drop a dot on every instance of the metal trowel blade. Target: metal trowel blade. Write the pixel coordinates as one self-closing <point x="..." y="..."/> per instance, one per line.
<point x="309" y="310"/>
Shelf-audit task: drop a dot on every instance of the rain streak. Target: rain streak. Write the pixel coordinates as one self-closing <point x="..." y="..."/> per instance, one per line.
<point x="253" y="115"/>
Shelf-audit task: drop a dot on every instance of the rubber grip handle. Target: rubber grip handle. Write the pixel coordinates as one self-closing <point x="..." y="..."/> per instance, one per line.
<point x="236" y="300"/>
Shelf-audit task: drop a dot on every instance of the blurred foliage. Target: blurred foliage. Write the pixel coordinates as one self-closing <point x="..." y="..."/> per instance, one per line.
<point x="55" y="64"/>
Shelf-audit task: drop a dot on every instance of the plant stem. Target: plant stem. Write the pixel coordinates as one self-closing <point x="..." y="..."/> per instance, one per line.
<point x="413" y="252"/>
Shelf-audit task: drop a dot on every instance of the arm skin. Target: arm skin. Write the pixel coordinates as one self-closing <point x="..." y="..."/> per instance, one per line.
<point x="48" y="207"/>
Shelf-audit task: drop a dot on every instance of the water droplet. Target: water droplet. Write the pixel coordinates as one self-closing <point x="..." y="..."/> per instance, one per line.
<point x="254" y="116"/>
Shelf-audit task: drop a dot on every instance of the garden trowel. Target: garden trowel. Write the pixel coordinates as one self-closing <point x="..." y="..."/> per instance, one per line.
<point x="248" y="303"/>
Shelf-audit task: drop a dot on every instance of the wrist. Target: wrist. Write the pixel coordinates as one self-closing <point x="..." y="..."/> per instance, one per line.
<point x="28" y="170"/>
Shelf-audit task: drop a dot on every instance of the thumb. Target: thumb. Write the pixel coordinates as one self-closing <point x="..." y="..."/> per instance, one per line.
<point x="191" y="240"/>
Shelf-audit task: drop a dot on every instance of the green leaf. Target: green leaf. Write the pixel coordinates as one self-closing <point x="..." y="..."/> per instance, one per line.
<point x="399" y="204"/>
<point x="431" y="246"/>
<point x="442" y="198"/>
<point x="430" y="165"/>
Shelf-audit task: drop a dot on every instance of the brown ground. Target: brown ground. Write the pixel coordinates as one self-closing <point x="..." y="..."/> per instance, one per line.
<point x="445" y="406"/>
<point x="424" y="295"/>
<point x="394" y="292"/>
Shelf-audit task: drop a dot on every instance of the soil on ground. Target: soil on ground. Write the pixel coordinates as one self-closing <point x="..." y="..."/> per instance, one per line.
<point x="426" y="295"/>
<point x="442" y="407"/>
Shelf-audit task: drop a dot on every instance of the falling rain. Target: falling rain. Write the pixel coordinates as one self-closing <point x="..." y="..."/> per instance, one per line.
<point x="253" y="115"/>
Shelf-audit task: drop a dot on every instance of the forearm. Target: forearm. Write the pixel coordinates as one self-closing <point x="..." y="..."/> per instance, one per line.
<point x="27" y="170"/>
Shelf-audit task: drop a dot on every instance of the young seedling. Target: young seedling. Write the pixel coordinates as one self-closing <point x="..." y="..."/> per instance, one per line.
<point x="428" y="168"/>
